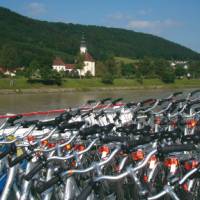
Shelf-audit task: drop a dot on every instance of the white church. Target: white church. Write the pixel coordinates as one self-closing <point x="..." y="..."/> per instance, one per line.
<point x="89" y="63"/>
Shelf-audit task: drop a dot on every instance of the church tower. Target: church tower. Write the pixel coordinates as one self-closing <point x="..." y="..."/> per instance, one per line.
<point x="83" y="47"/>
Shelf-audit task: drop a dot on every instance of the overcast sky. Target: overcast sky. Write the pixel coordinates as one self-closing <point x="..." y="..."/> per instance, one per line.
<point x="176" y="20"/>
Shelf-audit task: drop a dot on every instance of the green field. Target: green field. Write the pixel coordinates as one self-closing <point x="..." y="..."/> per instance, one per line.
<point x="95" y="83"/>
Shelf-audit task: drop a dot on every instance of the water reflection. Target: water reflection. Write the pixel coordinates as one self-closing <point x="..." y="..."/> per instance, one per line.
<point x="16" y="103"/>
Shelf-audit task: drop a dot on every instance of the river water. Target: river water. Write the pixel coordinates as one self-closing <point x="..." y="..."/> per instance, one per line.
<point x="17" y="103"/>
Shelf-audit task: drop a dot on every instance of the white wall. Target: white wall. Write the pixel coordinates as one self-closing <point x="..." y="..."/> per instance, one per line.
<point x="89" y="66"/>
<point x="59" y="68"/>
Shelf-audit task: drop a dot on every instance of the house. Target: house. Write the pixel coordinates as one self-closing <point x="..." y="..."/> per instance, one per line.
<point x="6" y="72"/>
<point x="178" y="62"/>
<point x="59" y="65"/>
<point x="89" y="63"/>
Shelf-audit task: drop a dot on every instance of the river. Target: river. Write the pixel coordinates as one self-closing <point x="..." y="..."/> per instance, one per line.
<point x="17" y="103"/>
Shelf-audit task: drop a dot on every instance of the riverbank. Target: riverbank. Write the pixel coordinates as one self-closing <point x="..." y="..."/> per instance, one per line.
<point x="8" y="86"/>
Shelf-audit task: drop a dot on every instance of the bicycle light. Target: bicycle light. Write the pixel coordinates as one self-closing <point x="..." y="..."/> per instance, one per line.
<point x="138" y="155"/>
<point x="190" y="164"/>
<point x="191" y="123"/>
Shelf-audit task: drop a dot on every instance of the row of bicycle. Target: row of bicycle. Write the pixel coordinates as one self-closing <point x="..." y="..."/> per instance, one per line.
<point x="105" y="149"/>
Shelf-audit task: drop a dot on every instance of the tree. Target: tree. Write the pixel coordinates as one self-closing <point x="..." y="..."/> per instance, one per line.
<point x="194" y="69"/>
<point x="160" y="66"/>
<point x="139" y="77"/>
<point x="79" y="62"/>
<point x="180" y="71"/>
<point x="74" y="73"/>
<point x="168" y="76"/>
<point x="146" y="67"/>
<point x="50" y="76"/>
<point x="33" y="70"/>
<point x="107" y="78"/>
<point x="100" y="68"/>
<point x="9" y="57"/>
<point x="88" y="74"/>
<point x="127" y="70"/>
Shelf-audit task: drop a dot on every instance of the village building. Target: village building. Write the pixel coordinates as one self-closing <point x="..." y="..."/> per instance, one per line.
<point x="9" y="72"/>
<point x="88" y="62"/>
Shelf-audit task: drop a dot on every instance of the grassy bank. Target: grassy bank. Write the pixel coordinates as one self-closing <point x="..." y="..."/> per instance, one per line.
<point x="91" y="84"/>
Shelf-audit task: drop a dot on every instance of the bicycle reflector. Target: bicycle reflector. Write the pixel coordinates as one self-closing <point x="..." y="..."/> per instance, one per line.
<point x="145" y="178"/>
<point x="104" y="150"/>
<point x="138" y="155"/>
<point x="157" y="120"/>
<point x="152" y="162"/>
<point x="185" y="187"/>
<point x="51" y="145"/>
<point x="191" y="123"/>
<point x="30" y="138"/>
<point x="188" y="165"/>
<point x="68" y="147"/>
<point x="171" y="162"/>
<point x="79" y="147"/>
<point x="44" y="142"/>
<point x="173" y="123"/>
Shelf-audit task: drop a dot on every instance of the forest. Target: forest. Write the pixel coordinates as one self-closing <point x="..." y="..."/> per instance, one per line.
<point x="23" y="40"/>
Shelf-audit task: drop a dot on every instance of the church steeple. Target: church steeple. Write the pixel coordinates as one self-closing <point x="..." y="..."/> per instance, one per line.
<point x="83" y="47"/>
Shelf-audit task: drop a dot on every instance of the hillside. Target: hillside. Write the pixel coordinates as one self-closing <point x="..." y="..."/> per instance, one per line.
<point x="41" y="40"/>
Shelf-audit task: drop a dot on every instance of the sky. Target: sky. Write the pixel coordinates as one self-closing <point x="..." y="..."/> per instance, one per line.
<point x="175" y="20"/>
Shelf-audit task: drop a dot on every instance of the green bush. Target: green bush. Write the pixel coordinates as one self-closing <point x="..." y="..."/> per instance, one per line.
<point x="168" y="77"/>
<point x="107" y="78"/>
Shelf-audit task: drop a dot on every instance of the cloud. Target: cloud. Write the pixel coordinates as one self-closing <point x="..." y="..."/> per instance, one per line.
<point x="152" y="25"/>
<point x="118" y="16"/>
<point x="36" y="8"/>
<point x="138" y="24"/>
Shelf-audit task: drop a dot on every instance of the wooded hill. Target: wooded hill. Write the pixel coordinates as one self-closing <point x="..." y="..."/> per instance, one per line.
<point x="32" y="39"/>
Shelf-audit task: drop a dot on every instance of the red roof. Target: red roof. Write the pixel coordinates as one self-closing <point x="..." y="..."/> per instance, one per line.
<point x="88" y="57"/>
<point x="2" y="70"/>
<point x="69" y="66"/>
<point x="58" y="61"/>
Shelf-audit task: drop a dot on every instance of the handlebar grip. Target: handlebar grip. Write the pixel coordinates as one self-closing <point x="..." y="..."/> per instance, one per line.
<point x="17" y="160"/>
<point x="108" y="139"/>
<point x="86" y="114"/>
<point x="34" y="171"/>
<point x="26" y="124"/>
<point x="90" y="130"/>
<point x="72" y="125"/>
<point x="41" y="187"/>
<point x="116" y="100"/>
<point x="176" y="148"/>
<point x="13" y="119"/>
<point x="104" y="100"/>
<point x="148" y="101"/>
<point x="194" y="92"/>
<point x="131" y="104"/>
<point x="86" y="192"/>
<point x="176" y="94"/>
<point x="140" y="141"/>
<point x="66" y="116"/>
<point x="46" y="123"/>
<point x="91" y="101"/>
